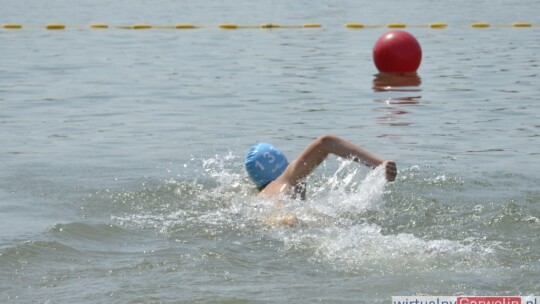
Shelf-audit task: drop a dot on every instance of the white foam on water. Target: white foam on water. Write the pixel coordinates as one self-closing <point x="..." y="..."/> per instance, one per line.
<point x="363" y="247"/>
<point x="335" y="229"/>
<point x="334" y="222"/>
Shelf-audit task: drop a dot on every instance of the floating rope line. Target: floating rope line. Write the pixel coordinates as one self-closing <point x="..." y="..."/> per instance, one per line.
<point x="231" y="26"/>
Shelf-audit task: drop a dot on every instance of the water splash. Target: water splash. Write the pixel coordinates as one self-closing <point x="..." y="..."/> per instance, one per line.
<point x="343" y="223"/>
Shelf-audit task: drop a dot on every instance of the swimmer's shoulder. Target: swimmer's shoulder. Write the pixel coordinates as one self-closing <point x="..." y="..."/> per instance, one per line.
<point x="277" y="188"/>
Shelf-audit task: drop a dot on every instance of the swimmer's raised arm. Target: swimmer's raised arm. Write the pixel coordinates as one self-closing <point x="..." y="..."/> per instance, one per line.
<point x="314" y="154"/>
<point x="273" y="175"/>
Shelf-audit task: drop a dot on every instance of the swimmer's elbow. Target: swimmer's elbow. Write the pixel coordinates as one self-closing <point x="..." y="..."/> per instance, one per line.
<point x="326" y="141"/>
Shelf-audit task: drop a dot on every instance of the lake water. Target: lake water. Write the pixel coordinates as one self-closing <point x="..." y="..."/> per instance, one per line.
<point x="121" y="156"/>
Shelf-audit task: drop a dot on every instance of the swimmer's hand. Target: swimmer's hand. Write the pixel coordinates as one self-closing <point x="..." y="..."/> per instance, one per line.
<point x="390" y="170"/>
<point x="289" y="220"/>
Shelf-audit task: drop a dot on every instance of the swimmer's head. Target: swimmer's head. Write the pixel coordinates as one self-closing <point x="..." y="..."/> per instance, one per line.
<point x="264" y="163"/>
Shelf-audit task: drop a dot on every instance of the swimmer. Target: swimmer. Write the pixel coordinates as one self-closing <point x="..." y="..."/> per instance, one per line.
<point x="274" y="177"/>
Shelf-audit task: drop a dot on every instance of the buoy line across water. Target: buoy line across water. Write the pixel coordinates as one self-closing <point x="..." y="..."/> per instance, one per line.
<point x="350" y="25"/>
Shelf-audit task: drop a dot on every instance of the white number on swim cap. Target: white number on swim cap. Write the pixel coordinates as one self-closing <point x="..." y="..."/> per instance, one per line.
<point x="268" y="155"/>
<point x="259" y="165"/>
<point x="277" y="167"/>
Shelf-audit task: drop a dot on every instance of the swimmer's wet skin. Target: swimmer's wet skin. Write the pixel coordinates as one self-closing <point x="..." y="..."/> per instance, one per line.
<point x="289" y="220"/>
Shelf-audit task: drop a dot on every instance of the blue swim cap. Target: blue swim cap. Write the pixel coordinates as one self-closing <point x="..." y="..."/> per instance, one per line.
<point x="264" y="163"/>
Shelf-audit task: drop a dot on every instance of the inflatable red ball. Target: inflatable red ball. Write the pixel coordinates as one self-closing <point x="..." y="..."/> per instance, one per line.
<point x="397" y="52"/>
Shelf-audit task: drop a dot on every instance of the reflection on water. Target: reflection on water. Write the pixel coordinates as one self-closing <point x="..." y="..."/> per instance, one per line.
<point x="395" y="104"/>
<point x="396" y="82"/>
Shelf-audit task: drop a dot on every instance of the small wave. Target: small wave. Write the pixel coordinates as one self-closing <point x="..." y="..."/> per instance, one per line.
<point x="37" y="252"/>
<point x="423" y="178"/>
<point x="106" y="238"/>
<point x="88" y="235"/>
<point x="85" y="231"/>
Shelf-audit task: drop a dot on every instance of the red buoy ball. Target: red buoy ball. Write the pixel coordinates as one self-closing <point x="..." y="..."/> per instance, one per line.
<point x="397" y="52"/>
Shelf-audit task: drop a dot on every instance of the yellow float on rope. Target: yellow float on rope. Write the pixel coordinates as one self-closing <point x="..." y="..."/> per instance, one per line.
<point x="141" y="26"/>
<point x="311" y="25"/>
<point x="12" y="26"/>
<point x="480" y="25"/>
<point x="355" y="25"/>
<point x="228" y="26"/>
<point x="396" y="25"/>
<point x="99" y="25"/>
<point x="437" y="25"/>
<point x="55" y="26"/>
<point x="521" y="24"/>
